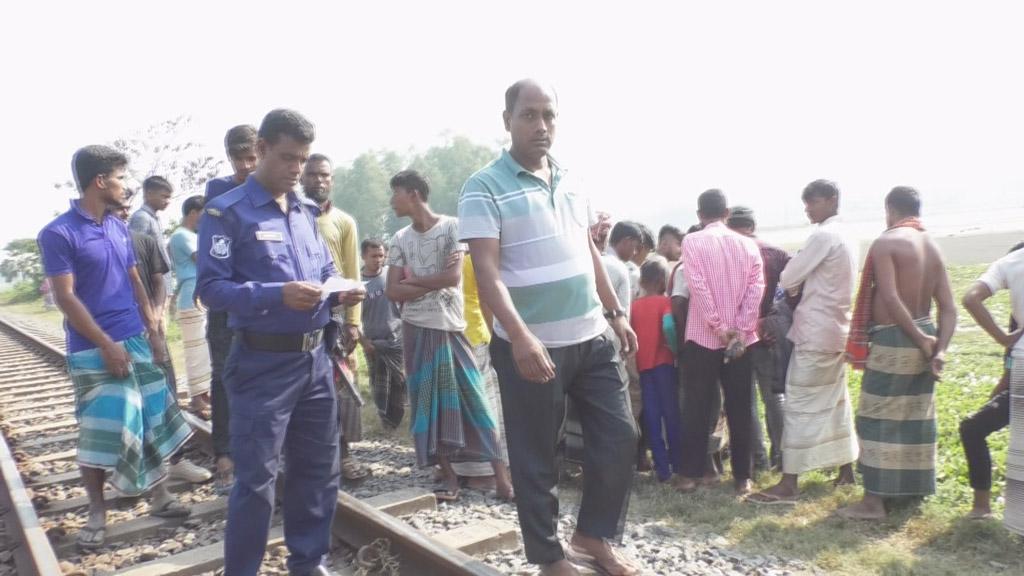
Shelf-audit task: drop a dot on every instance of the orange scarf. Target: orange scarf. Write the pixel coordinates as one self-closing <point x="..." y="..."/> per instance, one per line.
<point x="857" y="342"/>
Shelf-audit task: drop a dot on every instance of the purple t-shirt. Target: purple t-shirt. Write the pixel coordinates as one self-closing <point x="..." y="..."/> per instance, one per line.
<point x="217" y="186"/>
<point x="99" y="255"/>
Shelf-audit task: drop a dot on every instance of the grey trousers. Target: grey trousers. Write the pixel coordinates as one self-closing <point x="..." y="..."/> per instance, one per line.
<point x="534" y="413"/>
<point x="766" y="374"/>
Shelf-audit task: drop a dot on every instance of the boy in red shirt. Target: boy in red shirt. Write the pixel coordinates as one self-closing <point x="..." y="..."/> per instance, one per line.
<point x="651" y="319"/>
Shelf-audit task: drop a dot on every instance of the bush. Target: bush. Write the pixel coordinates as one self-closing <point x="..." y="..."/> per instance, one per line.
<point x="24" y="291"/>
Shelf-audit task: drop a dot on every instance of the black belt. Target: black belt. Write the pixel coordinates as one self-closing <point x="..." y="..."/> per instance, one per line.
<point x="291" y="342"/>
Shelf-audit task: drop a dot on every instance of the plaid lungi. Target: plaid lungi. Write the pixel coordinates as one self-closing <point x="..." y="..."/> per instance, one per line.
<point x="896" y="417"/>
<point x="450" y="415"/>
<point x="127" y="426"/>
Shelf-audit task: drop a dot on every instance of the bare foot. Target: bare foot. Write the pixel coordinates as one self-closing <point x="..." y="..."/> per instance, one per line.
<point x="711" y="480"/>
<point x="979" y="514"/>
<point x="561" y="568"/>
<point x="685" y="485"/>
<point x="845" y="477"/>
<point x="743" y="487"/>
<point x="781" y="491"/>
<point x="481" y="483"/>
<point x="863" y="511"/>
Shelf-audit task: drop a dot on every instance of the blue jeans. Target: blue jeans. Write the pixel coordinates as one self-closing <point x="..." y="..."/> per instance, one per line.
<point x="660" y="389"/>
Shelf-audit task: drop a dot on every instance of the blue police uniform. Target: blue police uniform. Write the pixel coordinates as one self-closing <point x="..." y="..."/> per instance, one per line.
<point x="278" y="374"/>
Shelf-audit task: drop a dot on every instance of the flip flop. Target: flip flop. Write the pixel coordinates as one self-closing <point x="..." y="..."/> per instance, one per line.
<point x="91" y="538"/>
<point x="446" y="495"/>
<point x="580" y="558"/>
<point x="766" y="499"/>
<point x="171" y="509"/>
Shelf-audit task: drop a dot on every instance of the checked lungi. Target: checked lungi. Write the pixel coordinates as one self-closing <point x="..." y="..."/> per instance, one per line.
<point x="127" y="426"/>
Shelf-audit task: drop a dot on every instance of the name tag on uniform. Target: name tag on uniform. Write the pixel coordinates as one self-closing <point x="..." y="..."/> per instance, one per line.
<point x="269" y="236"/>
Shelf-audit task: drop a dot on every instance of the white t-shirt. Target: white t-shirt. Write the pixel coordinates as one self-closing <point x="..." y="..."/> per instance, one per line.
<point x="425" y="254"/>
<point x="619" y="277"/>
<point x="1008" y="273"/>
<point x="679" y="285"/>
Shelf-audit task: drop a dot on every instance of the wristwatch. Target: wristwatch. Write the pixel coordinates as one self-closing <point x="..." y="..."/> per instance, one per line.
<point x="613" y="314"/>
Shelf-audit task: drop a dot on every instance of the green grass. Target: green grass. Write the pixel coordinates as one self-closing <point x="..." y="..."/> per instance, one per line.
<point x="930" y="540"/>
<point x="13" y="302"/>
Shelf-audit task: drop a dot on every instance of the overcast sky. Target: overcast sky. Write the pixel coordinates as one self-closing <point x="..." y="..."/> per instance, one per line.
<point x="657" y="103"/>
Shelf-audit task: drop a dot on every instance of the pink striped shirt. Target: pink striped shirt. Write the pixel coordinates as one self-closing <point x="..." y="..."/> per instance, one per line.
<point x="724" y="273"/>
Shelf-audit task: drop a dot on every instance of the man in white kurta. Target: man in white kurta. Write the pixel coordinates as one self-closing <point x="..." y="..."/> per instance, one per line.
<point x="818" y="430"/>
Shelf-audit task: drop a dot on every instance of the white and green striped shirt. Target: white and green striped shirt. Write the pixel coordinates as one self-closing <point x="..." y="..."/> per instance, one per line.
<point x="545" y="250"/>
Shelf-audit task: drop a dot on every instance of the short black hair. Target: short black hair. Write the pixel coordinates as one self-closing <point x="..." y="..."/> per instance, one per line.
<point x="821" y="188"/>
<point x="192" y="203"/>
<point x="712" y="204"/>
<point x="370" y="243"/>
<point x="318" y="157"/>
<point x="95" y="160"/>
<point x="694" y="228"/>
<point x="646" y="237"/>
<point x="156" y="184"/>
<point x="412" y="180"/>
<point x="512" y="92"/>
<point x="240" y="140"/>
<point x="1016" y="247"/>
<point x="284" y="122"/>
<point x="904" y="200"/>
<point x="624" y="230"/>
<point x="669" y="229"/>
<point x="653" y="269"/>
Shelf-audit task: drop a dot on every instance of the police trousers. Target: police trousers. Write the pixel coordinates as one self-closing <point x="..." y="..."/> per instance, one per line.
<point x="281" y="402"/>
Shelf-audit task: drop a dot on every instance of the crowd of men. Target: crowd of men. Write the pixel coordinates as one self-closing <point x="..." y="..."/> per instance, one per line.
<point x="488" y="327"/>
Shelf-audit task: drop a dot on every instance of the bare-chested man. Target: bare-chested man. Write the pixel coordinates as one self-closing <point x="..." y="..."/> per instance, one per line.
<point x="904" y="273"/>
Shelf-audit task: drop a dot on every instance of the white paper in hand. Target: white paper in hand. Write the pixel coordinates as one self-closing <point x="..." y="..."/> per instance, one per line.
<point x="338" y="284"/>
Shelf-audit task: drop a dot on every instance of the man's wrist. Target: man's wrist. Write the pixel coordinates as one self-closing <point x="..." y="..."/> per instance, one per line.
<point x="615" y="313"/>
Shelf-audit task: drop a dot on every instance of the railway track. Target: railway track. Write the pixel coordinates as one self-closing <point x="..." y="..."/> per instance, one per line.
<point x="42" y="503"/>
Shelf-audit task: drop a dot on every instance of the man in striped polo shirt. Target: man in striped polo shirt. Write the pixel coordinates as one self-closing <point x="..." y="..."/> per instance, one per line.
<point x="527" y="226"/>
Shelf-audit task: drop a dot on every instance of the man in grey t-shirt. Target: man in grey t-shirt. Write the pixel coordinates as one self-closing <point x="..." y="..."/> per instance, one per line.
<point x="382" y="337"/>
<point x="425" y="275"/>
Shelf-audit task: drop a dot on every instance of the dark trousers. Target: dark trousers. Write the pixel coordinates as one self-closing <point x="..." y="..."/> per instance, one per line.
<point x="218" y="338"/>
<point x="993" y="416"/>
<point x="281" y="402"/>
<point x="704" y="369"/>
<point x="660" y="389"/>
<point x="589" y="374"/>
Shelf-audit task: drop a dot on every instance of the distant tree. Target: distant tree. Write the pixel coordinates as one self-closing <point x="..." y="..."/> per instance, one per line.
<point x="22" y="262"/>
<point x="165" y="149"/>
<point x="362" y="189"/>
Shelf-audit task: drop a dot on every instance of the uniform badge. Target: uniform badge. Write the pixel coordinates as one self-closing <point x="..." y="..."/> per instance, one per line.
<point x="269" y="236"/>
<point x="221" y="247"/>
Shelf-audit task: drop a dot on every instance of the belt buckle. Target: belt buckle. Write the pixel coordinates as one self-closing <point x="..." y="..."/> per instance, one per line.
<point x="310" y="341"/>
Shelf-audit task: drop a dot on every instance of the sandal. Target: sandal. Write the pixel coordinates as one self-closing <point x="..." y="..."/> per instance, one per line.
<point x="446" y="495"/>
<point x="581" y="558"/>
<point x="91" y="538"/>
<point x="201" y="408"/>
<point x="170" y="509"/>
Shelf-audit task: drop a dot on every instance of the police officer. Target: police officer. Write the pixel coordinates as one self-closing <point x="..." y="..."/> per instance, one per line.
<point x="262" y="260"/>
